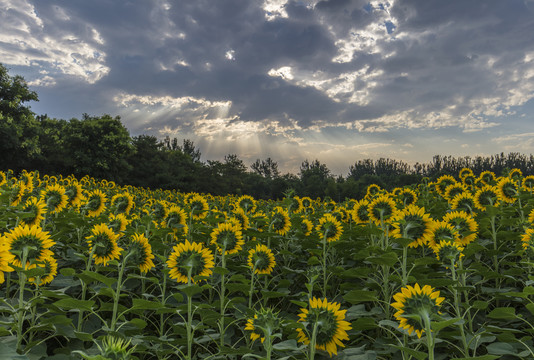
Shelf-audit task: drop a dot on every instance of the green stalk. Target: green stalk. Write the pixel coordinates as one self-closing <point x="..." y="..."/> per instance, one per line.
<point x="429" y="337"/>
<point x="189" y="318"/>
<point x="21" y="311"/>
<point x="163" y="300"/>
<point x="84" y="289"/>
<point x="463" y="283"/>
<point x="325" y="253"/>
<point x="122" y="266"/>
<point x="222" y="299"/>
<point x="251" y="287"/>
<point x="457" y="308"/>
<point x="313" y="341"/>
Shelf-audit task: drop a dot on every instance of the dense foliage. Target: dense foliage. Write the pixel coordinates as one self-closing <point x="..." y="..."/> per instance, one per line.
<point x="440" y="270"/>
<point x="100" y="146"/>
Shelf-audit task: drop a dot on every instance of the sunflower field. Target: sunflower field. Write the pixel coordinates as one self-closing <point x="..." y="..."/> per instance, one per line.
<point x="438" y="270"/>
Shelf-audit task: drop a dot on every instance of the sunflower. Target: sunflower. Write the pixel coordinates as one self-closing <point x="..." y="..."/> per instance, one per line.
<point x="190" y="257"/>
<point x="531" y="217"/>
<point x="266" y="321"/>
<point x="465" y="172"/>
<point x="242" y="218"/>
<point x="32" y="238"/>
<point x="527" y="239"/>
<point x="158" y="210"/>
<point x="508" y="190"/>
<point x="5" y="259"/>
<point x="442" y="231"/>
<point x="329" y="228"/>
<point x="454" y="189"/>
<point x="330" y="323"/>
<point x="103" y="244"/>
<point x="360" y="214"/>
<point x="35" y="210"/>
<point x="176" y="219"/>
<point x="227" y="237"/>
<point x="412" y="223"/>
<point x="250" y="327"/>
<point x="280" y="221"/>
<point x="528" y="183"/>
<point x="3" y="178"/>
<point x="55" y="198"/>
<point x="307" y="202"/>
<point x="515" y="174"/>
<point x="381" y="209"/>
<point x="372" y="191"/>
<point x="448" y="251"/>
<point x="95" y="203"/>
<point x="469" y="180"/>
<point x="140" y="252"/>
<point x="199" y="207"/>
<point x="406" y="197"/>
<point x="118" y="222"/>
<point x="27" y="179"/>
<point x="413" y="304"/>
<point x="295" y="205"/>
<point x="247" y="203"/>
<point x="17" y="193"/>
<point x="486" y="196"/>
<point x="122" y="203"/>
<point x="261" y="260"/>
<point x="443" y="182"/>
<point x="74" y="193"/>
<point x="465" y="202"/>
<point x="306" y="226"/>
<point x="465" y="224"/>
<point x="487" y="177"/>
<point x="49" y="264"/>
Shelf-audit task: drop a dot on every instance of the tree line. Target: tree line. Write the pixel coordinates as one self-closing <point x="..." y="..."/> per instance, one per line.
<point x="101" y="146"/>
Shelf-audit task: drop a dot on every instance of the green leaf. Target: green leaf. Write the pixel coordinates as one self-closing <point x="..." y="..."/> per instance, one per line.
<point x="138" y="323"/>
<point x="74" y="304"/>
<point x="83" y="336"/>
<point x="419" y="355"/>
<point x="287" y="345"/>
<point x="502" y="313"/>
<point x="483" y="357"/>
<point x="67" y="271"/>
<point x="358" y="296"/>
<point x="530" y="307"/>
<point x="365" y="323"/>
<point x="88" y="276"/>
<point x="389" y="259"/>
<point x="437" y="326"/>
<point x="190" y="290"/>
<point x="220" y="270"/>
<point x="146" y="305"/>
<point x="480" y="305"/>
<point x="500" y="348"/>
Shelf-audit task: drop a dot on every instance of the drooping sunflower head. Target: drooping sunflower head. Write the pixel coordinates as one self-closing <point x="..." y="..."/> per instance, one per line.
<point x="442" y="182"/>
<point x="508" y="189"/>
<point x="95" y="203"/>
<point x="265" y="321"/>
<point x="176" y="219"/>
<point x="464" y="201"/>
<point x="34" y="210"/>
<point x="74" y="192"/>
<point x="360" y="213"/>
<point x="442" y="231"/>
<point x="158" y="210"/>
<point x="307" y="202"/>
<point x="103" y="244"/>
<point x="261" y="260"/>
<point x="140" y="253"/>
<point x="247" y="203"/>
<point x="469" y="180"/>
<point x="49" y="265"/>
<point x="413" y="304"/>
<point x="373" y="190"/>
<point x="454" y="189"/>
<point x="306" y="226"/>
<point x="118" y="223"/>
<point x="412" y="223"/>
<point x="487" y="177"/>
<point x="31" y="239"/>
<point x="329" y="228"/>
<point x="465" y="172"/>
<point x="406" y="197"/>
<point x="18" y="190"/>
<point x="3" y="178"/>
<point x="487" y="196"/>
<point x="6" y="258"/>
<point x="295" y="205"/>
<point x="242" y="218"/>
<point x="122" y="203"/>
<point x="199" y="207"/>
<point x="227" y="237"/>
<point x="527" y="184"/>
<point x="280" y="221"/>
<point x="331" y="326"/>
<point x="55" y="198"/>
<point x="190" y="259"/>
<point x="381" y="209"/>
<point x="515" y="174"/>
<point x="465" y="224"/>
<point x="449" y="252"/>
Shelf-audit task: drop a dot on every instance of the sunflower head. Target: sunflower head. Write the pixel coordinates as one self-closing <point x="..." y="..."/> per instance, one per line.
<point x="373" y="190"/>
<point x="261" y="260"/>
<point x="487" y="196"/>
<point x="381" y="209"/>
<point x="329" y="228"/>
<point x="55" y="198"/>
<point x="34" y="210"/>
<point x="527" y="239"/>
<point x="360" y="213"/>
<point x="116" y="348"/>
<point x="31" y="240"/>
<point x="247" y="203"/>
<point x="515" y="174"/>
<point x="122" y="203"/>
<point x="412" y="223"/>
<point x="442" y="231"/>
<point x="199" y="207"/>
<point x="18" y="190"/>
<point x="454" y="189"/>
<point x="103" y="244"/>
<point x="527" y="184"/>
<point x="95" y="203"/>
<point x="227" y="237"/>
<point x="464" y="224"/>
<point x="443" y="182"/>
<point x="6" y="258"/>
<point x="406" y="197"/>
<point x="306" y="226"/>
<point x="328" y="320"/>
<point x="449" y="252"/>
<point x="465" y="172"/>
<point x="280" y="221"/>
<point x="265" y="322"/>
<point x="413" y="304"/>
<point x="242" y="218"/>
<point x="140" y="253"/>
<point x="464" y="201"/>
<point x="118" y="223"/>
<point x="307" y="202"/>
<point x="487" y="177"/>
<point x="508" y="189"/>
<point x="74" y="194"/>
<point x="49" y="265"/>
<point x="190" y="259"/>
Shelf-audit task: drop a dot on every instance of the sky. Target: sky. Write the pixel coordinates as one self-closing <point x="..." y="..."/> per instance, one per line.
<point x="333" y="80"/>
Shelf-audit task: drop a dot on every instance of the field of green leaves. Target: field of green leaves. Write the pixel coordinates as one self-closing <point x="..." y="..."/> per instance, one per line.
<point x="437" y="270"/>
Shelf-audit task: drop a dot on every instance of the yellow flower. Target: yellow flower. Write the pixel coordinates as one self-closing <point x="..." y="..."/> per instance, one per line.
<point x="118" y="222"/>
<point x="37" y="241"/>
<point x="411" y="223"/>
<point x="190" y="257"/>
<point x="199" y="207"/>
<point x="49" y="264"/>
<point x="487" y="196"/>
<point x="103" y="244"/>
<point x="261" y="260"/>
<point x="487" y="177"/>
<point x="55" y="198"/>
<point x="465" y="224"/>
<point x="5" y="259"/>
<point x="247" y="203"/>
<point x="242" y="218"/>
<point x="508" y="190"/>
<point x="527" y="184"/>
<point x="360" y="214"/>
<point x="35" y="209"/>
<point x="250" y="327"/>
<point x="330" y="323"/>
<point x="412" y="303"/>
<point x="123" y="203"/>
<point x="176" y="219"/>
<point x="280" y="221"/>
<point x="527" y="239"/>
<point x="381" y="208"/>
<point x="448" y="251"/>
<point x="17" y="193"/>
<point x="140" y="252"/>
<point x="95" y="203"/>
<point x="442" y="231"/>
<point x="454" y="189"/>
<point x="464" y="201"/>
<point x="406" y="197"/>
<point x="74" y="194"/>
<point x="227" y="236"/>
<point x="465" y="172"/>
<point x="329" y="227"/>
<point x="306" y="226"/>
<point x="443" y="182"/>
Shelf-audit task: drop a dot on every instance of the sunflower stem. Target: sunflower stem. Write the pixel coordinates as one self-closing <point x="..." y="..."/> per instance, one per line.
<point x="222" y="298"/>
<point x="457" y="307"/>
<point x="121" y="268"/>
<point x="429" y="335"/>
<point x="325" y="252"/>
<point x="251" y="287"/>
<point x="189" y="317"/>
<point x="21" y="310"/>
<point x="163" y="300"/>
<point x="313" y="340"/>
<point x="84" y="289"/>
